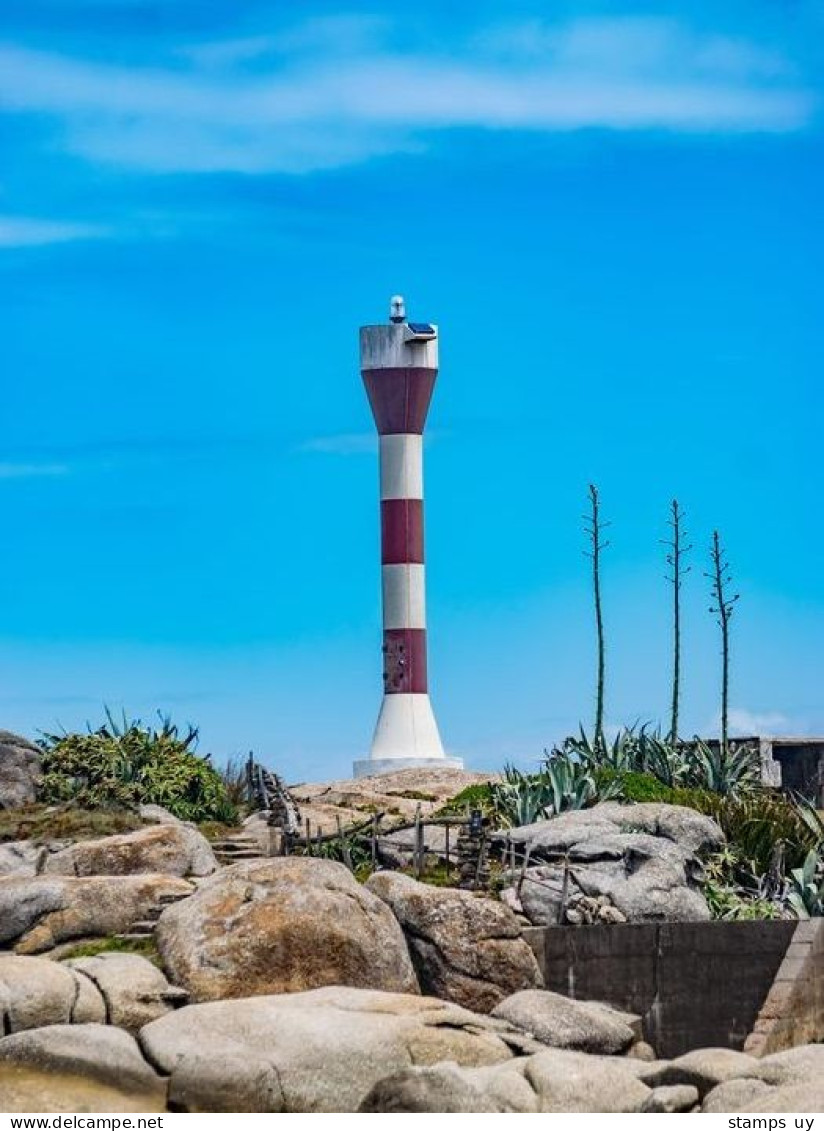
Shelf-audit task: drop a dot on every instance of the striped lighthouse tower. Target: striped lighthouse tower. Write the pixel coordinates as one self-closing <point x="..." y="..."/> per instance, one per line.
<point x="399" y="363"/>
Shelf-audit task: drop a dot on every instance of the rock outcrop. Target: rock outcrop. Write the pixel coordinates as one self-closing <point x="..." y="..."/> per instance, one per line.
<point x="639" y="859"/>
<point x="35" y="993"/>
<point x="466" y="948"/>
<point x="101" y="1053"/>
<point x="39" y="912"/>
<point x="28" y="1089"/>
<point x="168" y="849"/>
<point x="22" y="858"/>
<point x="279" y="926"/>
<point x="558" y="1080"/>
<point x="125" y="990"/>
<point x="588" y="1026"/>
<point x="19" y="770"/>
<point x="399" y="794"/>
<point x="317" y="1051"/>
<point x="555" y="1080"/>
<point x="133" y="990"/>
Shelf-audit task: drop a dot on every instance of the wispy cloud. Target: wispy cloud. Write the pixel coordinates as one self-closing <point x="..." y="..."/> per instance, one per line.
<point x="32" y="470"/>
<point x="744" y="722"/>
<point x="327" y="94"/>
<point x="343" y="444"/>
<point x="23" y="231"/>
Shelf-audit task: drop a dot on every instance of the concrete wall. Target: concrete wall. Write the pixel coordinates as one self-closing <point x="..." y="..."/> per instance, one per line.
<point x="694" y="984"/>
<point x="793" y="1011"/>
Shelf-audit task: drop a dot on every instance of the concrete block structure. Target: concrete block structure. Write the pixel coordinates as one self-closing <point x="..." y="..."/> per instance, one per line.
<point x="399" y="365"/>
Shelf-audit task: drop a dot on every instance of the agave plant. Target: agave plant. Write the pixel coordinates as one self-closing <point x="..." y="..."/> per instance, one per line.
<point x="570" y="783"/>
<point x="563" y="784"/>
<point x="130" y="764"/>
<point x="728" y="771"/>
<point x="620" y="756"/>
<point x="811" y="818"/>
<point x="520" y="799"/>
<point x="662" y="758"/>
<point x="806" y="894"/>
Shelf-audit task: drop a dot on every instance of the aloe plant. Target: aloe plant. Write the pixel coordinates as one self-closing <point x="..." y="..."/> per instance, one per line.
<point x="806" y="895"/>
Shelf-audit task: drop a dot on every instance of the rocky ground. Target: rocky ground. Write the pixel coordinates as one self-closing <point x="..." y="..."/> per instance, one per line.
<point x="140" y="973"/>
<point x="397" y="795"/>
<point x="105" y="1035"/>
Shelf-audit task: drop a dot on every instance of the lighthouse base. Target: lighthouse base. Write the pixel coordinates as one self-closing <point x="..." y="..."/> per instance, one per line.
<point x="372" y="767"/>
<point x="406" y="738"/>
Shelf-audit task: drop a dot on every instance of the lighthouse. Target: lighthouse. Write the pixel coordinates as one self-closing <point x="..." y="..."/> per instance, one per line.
<point x="399" y="364"/>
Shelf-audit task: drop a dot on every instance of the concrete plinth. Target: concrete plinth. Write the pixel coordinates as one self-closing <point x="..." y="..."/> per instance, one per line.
<point x="368" y="767"/>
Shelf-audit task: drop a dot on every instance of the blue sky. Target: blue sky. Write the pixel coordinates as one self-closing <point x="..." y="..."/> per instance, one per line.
<point x="612" y="210"/>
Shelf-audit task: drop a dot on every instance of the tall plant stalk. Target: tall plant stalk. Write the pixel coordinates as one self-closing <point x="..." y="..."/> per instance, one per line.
<point x="594" y="527"/>
<point x="721" y="578"/>
<point x="675" y="555"/>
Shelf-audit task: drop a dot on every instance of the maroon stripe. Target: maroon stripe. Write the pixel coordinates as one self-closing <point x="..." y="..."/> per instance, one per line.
<point x="399" y="398"/>
<point x="401" y="531"/>
<point x="404" y="660"/>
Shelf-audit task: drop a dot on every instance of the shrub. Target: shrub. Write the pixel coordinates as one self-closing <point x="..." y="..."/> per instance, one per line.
<point x="478" y="796"/>
<point x="131" y="764"/>
<point x="733" y="892"/>
<point x="235" y="777"/>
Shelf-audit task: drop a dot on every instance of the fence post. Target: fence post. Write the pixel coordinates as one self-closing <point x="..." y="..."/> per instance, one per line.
<point x="419" y="846"/>
<point x="481" y="851"/>
<point x="308" y="837"/>
<point x="250" y="780"/>
<point x="344" y="846"/>
<point x="524" y="868"/>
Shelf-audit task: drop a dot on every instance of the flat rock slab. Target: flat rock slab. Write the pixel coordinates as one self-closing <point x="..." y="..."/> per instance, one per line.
<point x="705" y="1069"/>
<point x="555" y="1080"/>
<point x="317" y="1051"/>
<point x="562" y="1022"/>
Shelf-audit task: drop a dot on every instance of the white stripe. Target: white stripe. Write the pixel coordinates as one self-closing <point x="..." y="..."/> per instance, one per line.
<point x="402" y="466"/>
<point x="404" y="604"/>
<point x="406" y="729"/>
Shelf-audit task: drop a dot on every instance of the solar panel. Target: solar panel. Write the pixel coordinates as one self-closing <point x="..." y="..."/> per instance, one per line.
<point x="421" y="328"/>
